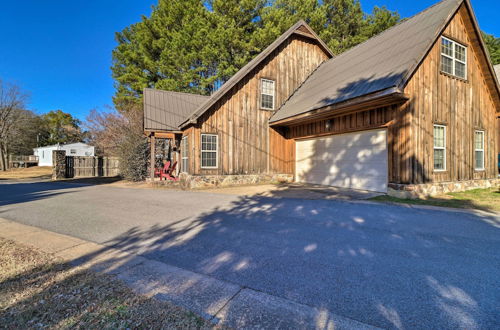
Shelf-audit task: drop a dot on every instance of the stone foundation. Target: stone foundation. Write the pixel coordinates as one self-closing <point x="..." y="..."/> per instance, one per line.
<point x="432" y="189"/>
<point x="212" y="181"/>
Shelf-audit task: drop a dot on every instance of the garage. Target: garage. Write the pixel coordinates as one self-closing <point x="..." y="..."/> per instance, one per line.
<point x="355" y="160"/>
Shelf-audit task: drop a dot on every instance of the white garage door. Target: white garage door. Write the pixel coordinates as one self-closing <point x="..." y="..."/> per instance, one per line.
<point x="355" y="160"/>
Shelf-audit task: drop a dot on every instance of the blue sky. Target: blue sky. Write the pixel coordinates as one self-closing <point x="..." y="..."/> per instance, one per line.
<point x="60" y="50"/>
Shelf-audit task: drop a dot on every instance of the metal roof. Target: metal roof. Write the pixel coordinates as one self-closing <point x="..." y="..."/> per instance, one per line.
<point x="382" y="62"/>
<point x="165" y="110"/>
<point x="250" y="66"/>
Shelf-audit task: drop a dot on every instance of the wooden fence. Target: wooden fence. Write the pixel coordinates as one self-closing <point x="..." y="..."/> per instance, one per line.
<point x="84" y="167"/>
<point x="22" y="161"/>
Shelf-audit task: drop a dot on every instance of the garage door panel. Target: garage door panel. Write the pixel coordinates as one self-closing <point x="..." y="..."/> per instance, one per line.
<point x="356" y="160"/>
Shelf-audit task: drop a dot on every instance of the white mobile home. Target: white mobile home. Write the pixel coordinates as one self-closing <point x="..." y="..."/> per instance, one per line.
<point x="73" y="149"/>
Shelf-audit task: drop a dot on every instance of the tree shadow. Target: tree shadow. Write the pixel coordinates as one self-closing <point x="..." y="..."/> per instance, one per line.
<point x="383" y="265"/>
<point x="23" y="192"/>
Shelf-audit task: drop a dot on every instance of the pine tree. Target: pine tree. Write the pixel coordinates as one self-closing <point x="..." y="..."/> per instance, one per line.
<point x="493" y="45"/>
<point x="197" y="45"/>
<point x="164" y="51"/>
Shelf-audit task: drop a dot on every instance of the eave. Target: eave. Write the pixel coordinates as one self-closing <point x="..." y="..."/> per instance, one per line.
<point x="375" y="100"/>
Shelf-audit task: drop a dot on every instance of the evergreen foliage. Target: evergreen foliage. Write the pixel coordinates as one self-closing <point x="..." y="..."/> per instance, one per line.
<point x="197" y="45"/>
<point x="493" y="45"/>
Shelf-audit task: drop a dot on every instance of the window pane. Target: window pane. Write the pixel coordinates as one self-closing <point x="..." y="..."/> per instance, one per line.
<point x="267" y="101"/>
<point x="460" y="69"/>
<point x="439" y="137"/>
<point x="446" y="64"/>
<point x="460" y="52"/>
<point x="446" y="47"/>
<point x="439" y="159"/>
<point x="479" y="159"/>
<point x="479" y="141"/>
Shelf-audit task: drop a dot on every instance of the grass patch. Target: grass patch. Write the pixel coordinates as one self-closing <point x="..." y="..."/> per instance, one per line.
<point x="480" y="199"/>
<point x="27" y="173"/>
<point x="37" y="291"/>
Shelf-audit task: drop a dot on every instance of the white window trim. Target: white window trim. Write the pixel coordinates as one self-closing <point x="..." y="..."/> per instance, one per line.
<point x="484" y="158"/>
<point x="184" y="144"/>
<point x="216" y="151"/>
<point x="262" y="80"/>
<point x="453" y="58"/>
<point x="439" y="148"/>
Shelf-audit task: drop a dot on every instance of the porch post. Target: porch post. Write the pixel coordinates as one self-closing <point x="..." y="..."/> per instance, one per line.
<point x="153" y="156"/>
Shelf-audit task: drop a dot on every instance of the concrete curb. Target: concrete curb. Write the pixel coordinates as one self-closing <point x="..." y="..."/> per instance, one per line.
<point x="219" y="301"/>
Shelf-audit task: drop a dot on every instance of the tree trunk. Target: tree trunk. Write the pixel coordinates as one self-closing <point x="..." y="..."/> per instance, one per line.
<point x="2" y="158"/>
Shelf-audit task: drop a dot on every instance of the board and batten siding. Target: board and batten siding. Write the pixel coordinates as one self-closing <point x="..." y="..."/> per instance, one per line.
<point x="247" y="145"/>
<point x="462" y="105"/>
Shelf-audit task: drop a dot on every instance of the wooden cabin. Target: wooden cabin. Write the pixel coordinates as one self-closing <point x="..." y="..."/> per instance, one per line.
<point x="412" y="111"/>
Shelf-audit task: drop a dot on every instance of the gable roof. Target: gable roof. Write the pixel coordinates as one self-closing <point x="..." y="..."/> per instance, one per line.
<point x="299" y="28"/>
<point x="383" y="62"/>
<point x="165" y="110"/>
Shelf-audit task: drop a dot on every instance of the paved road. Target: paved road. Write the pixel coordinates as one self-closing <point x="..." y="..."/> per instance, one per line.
<point x="388" y="266"/>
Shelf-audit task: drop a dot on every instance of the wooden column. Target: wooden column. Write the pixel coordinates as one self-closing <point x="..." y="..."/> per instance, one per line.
<point x="153" y="156"/>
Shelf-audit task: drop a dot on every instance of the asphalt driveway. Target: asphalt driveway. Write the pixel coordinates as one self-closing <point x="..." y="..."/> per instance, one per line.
<point x="384" y="265"/>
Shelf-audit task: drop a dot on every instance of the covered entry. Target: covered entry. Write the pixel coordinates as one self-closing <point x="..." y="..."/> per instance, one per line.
<point x="355" y="160"/>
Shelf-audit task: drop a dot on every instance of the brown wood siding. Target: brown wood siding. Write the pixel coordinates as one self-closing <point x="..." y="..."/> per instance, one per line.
<point x="244" y="135"/>
<point x="463" y="106"/>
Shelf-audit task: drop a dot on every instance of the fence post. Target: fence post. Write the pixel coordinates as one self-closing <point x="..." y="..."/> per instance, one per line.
<point x="58" y="164"/>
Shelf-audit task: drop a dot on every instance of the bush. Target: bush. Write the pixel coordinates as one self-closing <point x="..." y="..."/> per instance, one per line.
<point x="134" y="155"/>
<point x="121" y="134"/>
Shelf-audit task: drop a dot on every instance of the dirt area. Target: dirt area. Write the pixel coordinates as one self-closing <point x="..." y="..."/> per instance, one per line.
<point x="27" y="173"/>
<point x="480" y="199"/>
<point x="38" y="291"/>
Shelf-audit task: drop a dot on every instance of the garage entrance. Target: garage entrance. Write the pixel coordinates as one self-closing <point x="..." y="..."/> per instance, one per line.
<point x="355" y="160"/>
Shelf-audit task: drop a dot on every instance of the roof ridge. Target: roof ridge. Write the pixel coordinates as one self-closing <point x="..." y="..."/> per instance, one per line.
<point x="392" y="27"/>
<point x="247" y="68"/>
<point x="175" y="92"/>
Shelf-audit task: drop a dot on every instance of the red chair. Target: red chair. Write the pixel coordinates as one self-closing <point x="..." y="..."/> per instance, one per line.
<point x="159" y="171"/>
<point x="169" y="173"/>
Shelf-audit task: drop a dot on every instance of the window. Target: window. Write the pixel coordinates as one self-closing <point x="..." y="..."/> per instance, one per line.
<point x="72" y="151"/>
<point x="453" y="58"/>
<point x="439" y="148"/>
<point x="267" y="94"/>
<point x="209" y="151"/>
<point x="479" y="150"/>
<point x="184" y="154"/>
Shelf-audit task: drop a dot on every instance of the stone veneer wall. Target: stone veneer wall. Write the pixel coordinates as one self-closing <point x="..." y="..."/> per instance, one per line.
<point x="431" y="189"/>
<point x="211" y="181"/>
<point x="58" y="164"/>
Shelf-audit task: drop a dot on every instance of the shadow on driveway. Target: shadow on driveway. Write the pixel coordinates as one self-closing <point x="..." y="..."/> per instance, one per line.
<point x="387" y="266"/>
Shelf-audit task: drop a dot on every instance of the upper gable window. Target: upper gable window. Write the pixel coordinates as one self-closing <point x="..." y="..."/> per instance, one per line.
<point x="267" y="93"/>
<point x="453" y="58"/>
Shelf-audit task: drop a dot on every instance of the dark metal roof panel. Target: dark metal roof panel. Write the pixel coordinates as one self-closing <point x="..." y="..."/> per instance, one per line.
<point x="165" y="110"/>
<point x="379" y="63"/>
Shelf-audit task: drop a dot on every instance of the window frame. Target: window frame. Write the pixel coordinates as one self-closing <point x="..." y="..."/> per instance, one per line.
<point x="262" y="80"/>
<point x="185" y="154"/>
<point x="72" y="151"/>
<point x="216" y="151"/>
<point x="439" y="148"/>
<point x="453" y="58"/>
<point x="482" y="150"/>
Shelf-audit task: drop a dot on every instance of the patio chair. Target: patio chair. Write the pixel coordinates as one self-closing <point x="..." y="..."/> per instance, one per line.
<point x="169" y="173"/>
<point x="159" y="171"/>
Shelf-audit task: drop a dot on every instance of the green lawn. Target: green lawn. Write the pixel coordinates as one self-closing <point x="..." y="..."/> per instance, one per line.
<point x="480" y="199"/>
